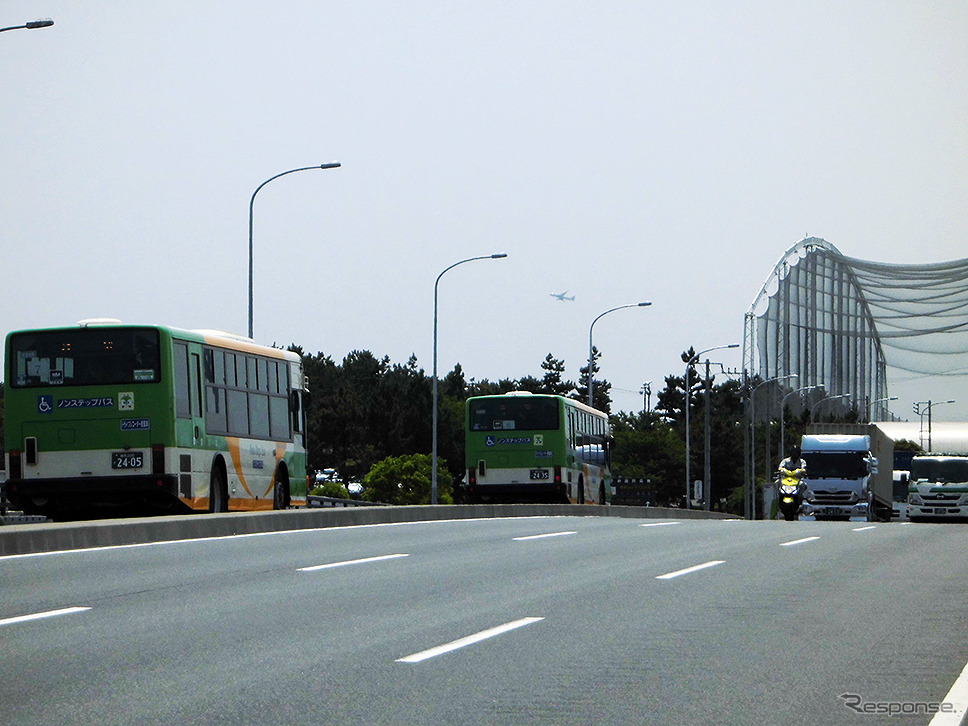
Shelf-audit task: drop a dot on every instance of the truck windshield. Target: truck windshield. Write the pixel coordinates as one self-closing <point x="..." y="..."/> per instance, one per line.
<point x="514" y="414"/>
<point x="939" y="470"/>
<point x="831" y="465"/>
<point x="84" y="357"/>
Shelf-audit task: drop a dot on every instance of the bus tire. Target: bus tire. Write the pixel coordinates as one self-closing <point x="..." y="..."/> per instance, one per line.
<point x="218" y="498"/>
<point x="581" y="491"/>
<point x="601" y="493"/>
<point x="280" y="492"/>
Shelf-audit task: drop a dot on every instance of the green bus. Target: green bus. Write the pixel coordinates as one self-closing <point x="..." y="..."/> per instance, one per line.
<point x="534" y="447"/>
<point x="106" y="414"/>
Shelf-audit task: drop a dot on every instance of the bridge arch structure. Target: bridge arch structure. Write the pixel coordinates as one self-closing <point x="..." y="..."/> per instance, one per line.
<point x="839" y="323"/>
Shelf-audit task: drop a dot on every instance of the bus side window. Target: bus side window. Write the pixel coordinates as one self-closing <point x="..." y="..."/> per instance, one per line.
<point x="196" y="392"/>
<point x="209" y="362"/>
<point x="183" y="408"/>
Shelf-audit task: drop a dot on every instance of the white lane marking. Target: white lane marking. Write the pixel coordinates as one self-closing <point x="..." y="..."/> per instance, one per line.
<point x="688" y="570"/>
<point x="469" y="640"/>
<point x="313" y="568"/>
<point x="864" y="529"/>
<point x="39" y="616"/>
<point x="659" y="524"/>
<point x="309" y="530"/>
<point x="798" y="541"/>
<point x="543" y="536"/>
<point x="958" y="698"/>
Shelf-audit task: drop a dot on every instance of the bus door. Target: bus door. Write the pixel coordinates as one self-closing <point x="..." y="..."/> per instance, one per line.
<point x="190" y="422"/>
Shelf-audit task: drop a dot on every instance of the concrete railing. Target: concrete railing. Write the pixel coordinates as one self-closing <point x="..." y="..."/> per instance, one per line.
<point x="19" y="539"/>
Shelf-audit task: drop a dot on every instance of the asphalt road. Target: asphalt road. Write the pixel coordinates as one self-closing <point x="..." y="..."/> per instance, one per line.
<point x="548" y="620"/>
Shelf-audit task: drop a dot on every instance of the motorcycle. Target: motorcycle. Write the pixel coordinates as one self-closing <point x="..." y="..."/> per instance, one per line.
<point x="789" y="492"/>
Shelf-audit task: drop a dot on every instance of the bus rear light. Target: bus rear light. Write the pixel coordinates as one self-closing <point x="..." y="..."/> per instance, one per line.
<point x="472" y="477"/>
<point x="30" y="450"/>
<point x="158" y="459"/>
<point x="557" y="475"/>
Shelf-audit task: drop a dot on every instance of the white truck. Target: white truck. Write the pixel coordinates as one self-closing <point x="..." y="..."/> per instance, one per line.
<point x="938" y="487"/>
<point x="849" y="472"/>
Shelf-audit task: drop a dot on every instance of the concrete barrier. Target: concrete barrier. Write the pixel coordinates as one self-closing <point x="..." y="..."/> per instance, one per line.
<point x="20" y="539"/>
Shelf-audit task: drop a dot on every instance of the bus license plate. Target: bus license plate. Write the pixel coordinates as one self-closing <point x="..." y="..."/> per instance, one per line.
<point x="539" y="474"/>
<point x="127" y="460"/>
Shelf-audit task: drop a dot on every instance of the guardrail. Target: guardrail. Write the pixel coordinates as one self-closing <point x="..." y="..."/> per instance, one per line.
<point x="313" y="501"/>
<point x="20" y="539"/>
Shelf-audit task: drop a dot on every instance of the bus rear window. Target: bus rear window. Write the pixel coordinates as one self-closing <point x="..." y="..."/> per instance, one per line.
<point x="85" y="357"/>
<point x="514" y="414"/>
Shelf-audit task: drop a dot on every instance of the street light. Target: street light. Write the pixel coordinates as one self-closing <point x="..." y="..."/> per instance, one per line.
<point x="433" y="463"/>
<point x="825" y="399"/>
<point x="685" y="385"/>
<point x="751" y="507"/>
<point x="32" y="25"/>
<point x="783" y="416"/>
<point x="928" y="405"/>
<point x="331" y="165"/>
<point x="591" y="360"/>
<point x="870" y="406"/>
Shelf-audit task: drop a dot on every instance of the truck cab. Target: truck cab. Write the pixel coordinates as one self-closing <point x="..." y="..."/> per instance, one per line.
<point x="839" y="468"/>
<point x="938" y="487"/>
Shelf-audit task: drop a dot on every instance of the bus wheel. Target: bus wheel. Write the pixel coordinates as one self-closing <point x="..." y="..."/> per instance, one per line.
<point x="601" y="493"/>
<point x="218" y="490"/>
<point x="581" y="491"/>
<point x="280" y="493"/>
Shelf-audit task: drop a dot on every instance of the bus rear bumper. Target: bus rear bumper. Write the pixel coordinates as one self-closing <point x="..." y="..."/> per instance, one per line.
<point x="515" y="492"/>
<point x="47" y="495"/>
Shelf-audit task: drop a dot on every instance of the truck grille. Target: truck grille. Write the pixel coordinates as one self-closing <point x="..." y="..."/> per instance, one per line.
<point x="823" y="497"/>
<point x="941" y="498"/>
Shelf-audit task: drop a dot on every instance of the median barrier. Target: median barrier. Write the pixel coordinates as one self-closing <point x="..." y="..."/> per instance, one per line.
<point x="21" y="539"/>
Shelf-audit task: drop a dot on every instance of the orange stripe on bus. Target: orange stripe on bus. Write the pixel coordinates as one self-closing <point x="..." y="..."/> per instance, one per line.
<point x="235" y="453"/>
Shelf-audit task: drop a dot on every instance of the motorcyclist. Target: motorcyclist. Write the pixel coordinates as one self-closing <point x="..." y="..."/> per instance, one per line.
<point x="793" y="466"/>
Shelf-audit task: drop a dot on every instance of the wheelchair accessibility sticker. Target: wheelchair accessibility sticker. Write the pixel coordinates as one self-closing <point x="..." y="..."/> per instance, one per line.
<point x="45" y="404"/>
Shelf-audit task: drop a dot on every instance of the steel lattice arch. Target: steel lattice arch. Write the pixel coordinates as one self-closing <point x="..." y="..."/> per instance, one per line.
<point x="838" y="324"/>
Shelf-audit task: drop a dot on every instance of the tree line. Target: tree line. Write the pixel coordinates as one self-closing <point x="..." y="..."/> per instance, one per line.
<point x="365" y="409"/>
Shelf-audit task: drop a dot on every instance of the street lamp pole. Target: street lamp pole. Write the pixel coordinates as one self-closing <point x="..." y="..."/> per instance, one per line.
<point x="751" y="509"/>
<point x="783" y="416"/>
<point x="433" y="462"/>
<point x="927" y="410"/>
<point x="591" y="359"/>
<point x="825" y="399"/>
<point x="870" y="407"/>
<point x="685" y="385"/>
<point x="332" y="165"/>
<point x="32" y="25"/>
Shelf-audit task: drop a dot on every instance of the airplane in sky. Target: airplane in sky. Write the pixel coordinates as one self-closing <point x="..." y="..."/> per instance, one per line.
<point x="561" y="296"/>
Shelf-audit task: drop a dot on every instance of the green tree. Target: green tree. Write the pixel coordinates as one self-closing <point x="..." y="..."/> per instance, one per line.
<point x="601" y="397"/>
<point x="908" y="445"/>
<point x="726" y="429"/>
<point x="406" y="480"/>
<point x="552" y="381"/>
<point x="648" y="447"/>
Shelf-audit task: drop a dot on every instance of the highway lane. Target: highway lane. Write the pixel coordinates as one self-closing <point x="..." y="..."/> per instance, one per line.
<point x="544" y="620"/>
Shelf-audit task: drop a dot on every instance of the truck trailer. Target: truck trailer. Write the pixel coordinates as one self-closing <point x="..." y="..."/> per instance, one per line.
<point x="849" y="472"/>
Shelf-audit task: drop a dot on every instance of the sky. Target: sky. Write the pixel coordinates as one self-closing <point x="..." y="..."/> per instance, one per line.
<point x="634" y="151"/>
